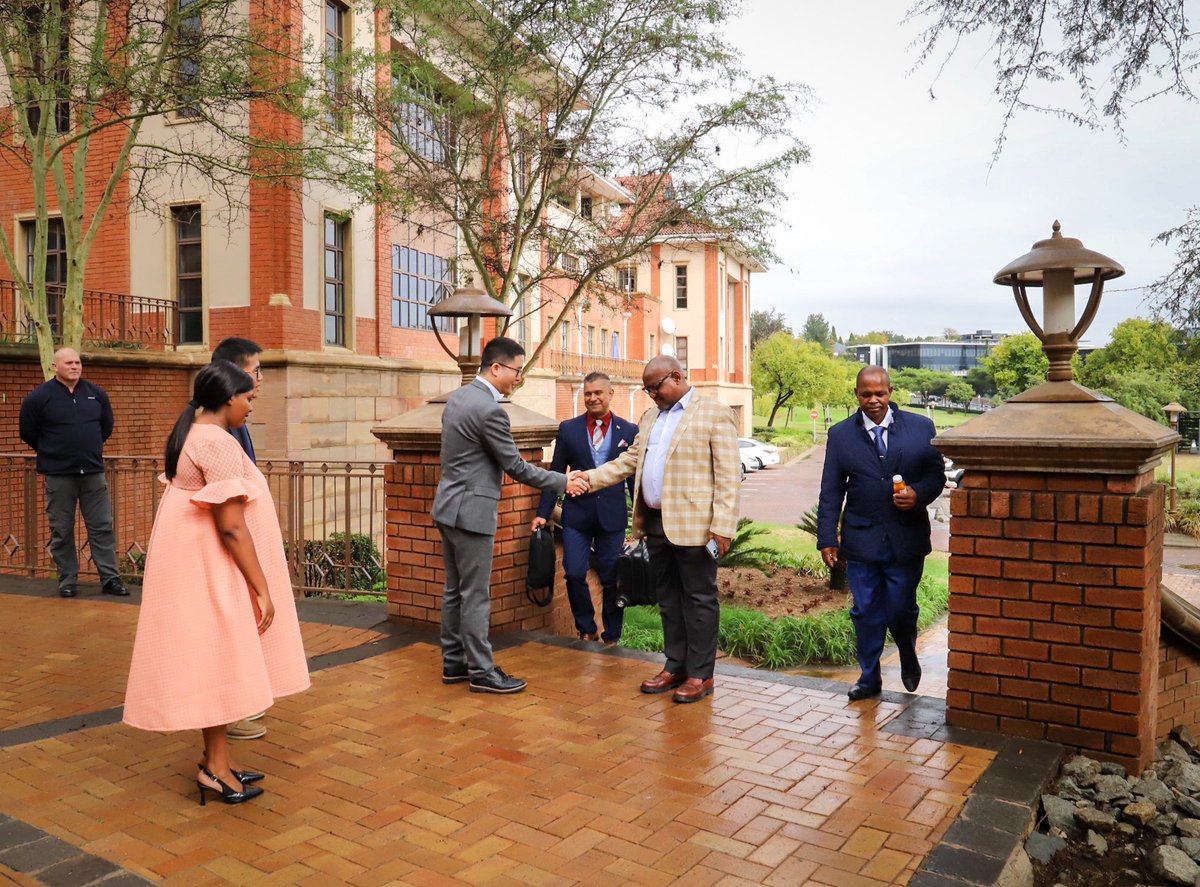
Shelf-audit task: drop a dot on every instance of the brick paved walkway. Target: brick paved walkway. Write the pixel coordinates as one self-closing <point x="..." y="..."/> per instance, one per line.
<point x="380" y="774"/>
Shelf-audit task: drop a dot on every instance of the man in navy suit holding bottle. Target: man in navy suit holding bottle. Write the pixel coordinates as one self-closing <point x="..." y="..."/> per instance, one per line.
<point x="885" y="525"/>
<point x="594" y="520"/>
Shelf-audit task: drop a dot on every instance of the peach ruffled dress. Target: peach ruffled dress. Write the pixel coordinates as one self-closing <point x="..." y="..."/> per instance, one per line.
<point x="198" y="659"/>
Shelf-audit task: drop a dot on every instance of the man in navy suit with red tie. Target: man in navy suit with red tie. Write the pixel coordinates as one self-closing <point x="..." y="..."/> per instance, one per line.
<point x="594" y="520"/>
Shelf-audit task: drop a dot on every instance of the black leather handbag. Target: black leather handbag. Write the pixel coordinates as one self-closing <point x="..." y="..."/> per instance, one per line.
<point x="635" y="580"/>
<point x="543" y="561"/>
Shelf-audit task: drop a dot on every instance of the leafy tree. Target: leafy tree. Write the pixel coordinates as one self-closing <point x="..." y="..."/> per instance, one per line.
<point x="775" y="368"/>
<point x="1016" y="364"/>
<point x="816" y="329"/>
<point x="1116" y="54"/>
<point x="981" y="381"/>
<point x="82" y="77"/>
<point x="502" y="109"/>
<point x="922" y="382"/>
<point x="950" y="334"/>
<point x="764" y="324"/>
<point x="875" y="337"/>
<point x="796" y="373"/>
<point x="1143" y="391"/>
<point x="960" y="391"/>
<point x="1135" y="344"/>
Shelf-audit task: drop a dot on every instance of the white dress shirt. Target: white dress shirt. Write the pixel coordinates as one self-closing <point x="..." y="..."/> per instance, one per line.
<point x="495" y="391"/>
<point x="657" y="448"/>
<point x="886" y="424"/>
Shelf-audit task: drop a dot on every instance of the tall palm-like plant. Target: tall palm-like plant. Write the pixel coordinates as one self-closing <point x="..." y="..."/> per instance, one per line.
<point x="837" y="575"/>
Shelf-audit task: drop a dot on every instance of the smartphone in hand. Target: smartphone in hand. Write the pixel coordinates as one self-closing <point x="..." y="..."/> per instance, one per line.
<point x="713" y="550"/>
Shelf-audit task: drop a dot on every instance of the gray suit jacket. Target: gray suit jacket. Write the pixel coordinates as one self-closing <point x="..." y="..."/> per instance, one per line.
<point x="477" y="450"/>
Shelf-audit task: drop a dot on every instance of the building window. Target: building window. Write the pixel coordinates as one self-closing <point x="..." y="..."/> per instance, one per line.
<point x="335" y="279"/>
<point x="187" y="74"/>
<point x="56" y="265"/>
<point x="564" y="342"/>
<point x="419" y="281"/>
<point x="56" y="251"/>
<point x="616" y="344"/>
<point x="681" y="351"/>
<point x="570" y="263"/>
<point x="58" y="63"/>
<point x="189" y="280"/>
<point x="421" y="120"/>
<point x="585" y="207"/>
<point x="591" y="340"/>
<point x="335" y="55"/>
<point x="681" y="286"/>
<point x="627" y="280"/>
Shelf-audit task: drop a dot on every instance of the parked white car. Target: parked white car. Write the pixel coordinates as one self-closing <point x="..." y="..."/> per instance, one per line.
<point x="749" y="463"/>
<point x="764" y="453"/>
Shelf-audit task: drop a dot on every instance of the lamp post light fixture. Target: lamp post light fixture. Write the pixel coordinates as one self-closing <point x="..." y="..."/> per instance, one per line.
<point x="474" y="305"/>
<point x="1057" y="264"/>
<point x="1173" y="411"/>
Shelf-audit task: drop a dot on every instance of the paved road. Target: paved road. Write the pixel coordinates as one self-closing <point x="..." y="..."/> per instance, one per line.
<point x="782" y="493"/>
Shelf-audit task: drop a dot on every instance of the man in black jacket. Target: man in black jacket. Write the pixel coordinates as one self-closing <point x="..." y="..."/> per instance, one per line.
<point x="66" y="421"/>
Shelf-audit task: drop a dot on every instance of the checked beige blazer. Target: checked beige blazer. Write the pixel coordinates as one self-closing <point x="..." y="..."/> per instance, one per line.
<point x="702" y="477"/>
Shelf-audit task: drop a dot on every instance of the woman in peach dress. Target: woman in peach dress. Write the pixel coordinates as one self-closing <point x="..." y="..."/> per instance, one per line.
<point x="217" y="638"/>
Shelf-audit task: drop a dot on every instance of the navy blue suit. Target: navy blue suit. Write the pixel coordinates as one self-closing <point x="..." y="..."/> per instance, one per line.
<point x="884" y="547"/>
<point x="592" y="521"/>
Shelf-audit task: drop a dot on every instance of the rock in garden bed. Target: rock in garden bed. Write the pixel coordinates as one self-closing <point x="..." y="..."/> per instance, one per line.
<point x="1101" y="828"/>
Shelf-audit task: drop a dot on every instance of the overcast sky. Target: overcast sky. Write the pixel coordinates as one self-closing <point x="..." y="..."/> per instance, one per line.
<point x="898" y="223"/>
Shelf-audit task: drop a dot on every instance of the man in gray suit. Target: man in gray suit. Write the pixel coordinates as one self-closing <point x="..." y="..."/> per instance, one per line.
<point x="477" y="449"/>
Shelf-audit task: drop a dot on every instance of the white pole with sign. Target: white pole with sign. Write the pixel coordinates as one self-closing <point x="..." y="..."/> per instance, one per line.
<point x="813" y="415"/>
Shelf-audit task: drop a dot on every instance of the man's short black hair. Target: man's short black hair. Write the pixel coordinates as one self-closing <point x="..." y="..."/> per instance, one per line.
<point x="236" y="351"/>
<point x="596" y="377"/>
<point x="500" y="350"/>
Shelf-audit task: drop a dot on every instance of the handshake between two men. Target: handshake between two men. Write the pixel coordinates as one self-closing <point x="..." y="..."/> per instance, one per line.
<point x="577" y="483"/>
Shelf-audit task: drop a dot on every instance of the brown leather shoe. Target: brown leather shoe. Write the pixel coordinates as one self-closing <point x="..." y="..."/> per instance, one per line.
<point x="662" y="682"/>
<point x="588" y="636"/>
<point x="693" y="690"/>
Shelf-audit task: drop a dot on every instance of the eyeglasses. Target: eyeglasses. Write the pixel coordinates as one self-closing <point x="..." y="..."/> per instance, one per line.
<point x="520" y="371"/>
<point x="256" y="372"/>
<point x="653" y="389"/>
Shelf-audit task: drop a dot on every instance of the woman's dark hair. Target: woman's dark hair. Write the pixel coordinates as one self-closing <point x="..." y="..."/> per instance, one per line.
<point x="215" y="385"/>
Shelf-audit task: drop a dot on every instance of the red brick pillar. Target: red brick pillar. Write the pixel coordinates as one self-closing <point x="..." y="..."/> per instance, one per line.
<point x="1056" y="558"/>
<point x="1054" y="599"/>
<point x="415" y="572"/>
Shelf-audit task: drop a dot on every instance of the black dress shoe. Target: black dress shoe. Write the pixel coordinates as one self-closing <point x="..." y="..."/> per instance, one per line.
<point x="67" y="591"/>
<point x="858" y="691"/>
<point x="496" y="681"/>
<point x="115" y="586"/>
<point x="910" y="668"/>
<point x="455" y="675"/>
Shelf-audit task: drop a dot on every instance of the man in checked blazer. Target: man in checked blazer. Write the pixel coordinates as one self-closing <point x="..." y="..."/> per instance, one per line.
<point x="477" y="451"/>
<point x="687" y="475"/>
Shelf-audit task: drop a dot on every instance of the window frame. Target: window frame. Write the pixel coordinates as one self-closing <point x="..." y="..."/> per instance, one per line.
<point x="428" y="134"/>
<point x="181" y="276"/>
<point x="340" y="310"/>
<point x="681" y="287"/>
<point x="335" y="116"/>
<point x="681" y="351"/>
<point x="417" y="272"/>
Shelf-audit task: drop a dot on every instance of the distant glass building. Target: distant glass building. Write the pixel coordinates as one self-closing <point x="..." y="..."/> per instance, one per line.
<point x="957" y="358"/>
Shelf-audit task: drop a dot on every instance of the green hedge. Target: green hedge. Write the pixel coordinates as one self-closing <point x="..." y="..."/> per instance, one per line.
<point x="786" y="641"/>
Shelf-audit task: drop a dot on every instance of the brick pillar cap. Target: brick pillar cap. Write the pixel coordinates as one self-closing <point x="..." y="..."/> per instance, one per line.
<point x="1063" y="436"/>
<point x="420" y="430"/>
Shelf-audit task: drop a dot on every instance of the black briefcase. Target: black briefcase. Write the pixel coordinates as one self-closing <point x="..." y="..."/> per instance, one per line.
<point x="635" y="579"/>
<point x="543" y="560"/>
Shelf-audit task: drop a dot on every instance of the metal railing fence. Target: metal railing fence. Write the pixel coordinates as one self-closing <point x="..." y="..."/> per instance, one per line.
<point x="110" y="320"/>
<point x="330" y="514"/>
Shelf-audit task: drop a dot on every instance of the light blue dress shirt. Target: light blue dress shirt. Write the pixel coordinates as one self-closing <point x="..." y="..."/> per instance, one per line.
<point x="657" y="448"/>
